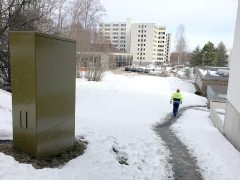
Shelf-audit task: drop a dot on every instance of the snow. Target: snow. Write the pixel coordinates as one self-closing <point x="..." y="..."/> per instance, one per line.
<point x="219" y="72"/>
<point x="168" y="68"/>
<point x="186" y="72"/>
<point x="223" y="111"/>
<point x="205" y="72"/>
<point x="118" y="114"/>
<point x="224" y="72"/>
<point x="6" y="115"/>
<point x="221" y="117"/>
<point x="216" y="157"/>
<point x="221" y="114"/>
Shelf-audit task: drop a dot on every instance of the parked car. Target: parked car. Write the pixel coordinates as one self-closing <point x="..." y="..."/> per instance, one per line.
<point x="127" y="69"/>
<point x="140" y="69"/>
<point x="134" y="69"/>
<point x="147" y="70"/>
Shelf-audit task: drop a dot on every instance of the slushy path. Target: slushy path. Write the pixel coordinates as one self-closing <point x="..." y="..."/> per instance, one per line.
<point x="183" y="163"/>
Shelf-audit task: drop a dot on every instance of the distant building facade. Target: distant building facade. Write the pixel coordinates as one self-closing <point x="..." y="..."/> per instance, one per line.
<point x="119" y="34"/>
<point x="149" y="43"/>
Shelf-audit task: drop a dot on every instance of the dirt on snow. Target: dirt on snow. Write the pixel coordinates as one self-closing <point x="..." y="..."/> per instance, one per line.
<point x="56" y="161"/>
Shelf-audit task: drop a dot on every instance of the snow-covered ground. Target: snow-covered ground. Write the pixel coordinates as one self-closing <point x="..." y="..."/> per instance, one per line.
<point x="119" y="113"/>
<point x="217" y="158"/>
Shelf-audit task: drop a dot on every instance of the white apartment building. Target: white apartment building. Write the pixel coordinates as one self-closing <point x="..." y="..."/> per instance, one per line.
<point x="119" y="34"/>
<point x="149" y="43"/>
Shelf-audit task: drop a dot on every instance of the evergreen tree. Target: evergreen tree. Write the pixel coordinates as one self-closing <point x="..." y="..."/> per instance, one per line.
<point x="209" y="55"/>
<point x="221" y="55"/>
<point x="196" y="57"/>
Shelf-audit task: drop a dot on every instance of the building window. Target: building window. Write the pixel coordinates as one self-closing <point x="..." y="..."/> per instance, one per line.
<point x="115" y="25"/>
<point x="123" y="29"/>
<point x="123" y="25"/>
<point x="115" y="29"/>
<point x="107" y="29"/>
<point x="145" y="35"/>
<point x="107" y="25"/>
<point x="123" y="33"/>
<point x="115" y="33"/>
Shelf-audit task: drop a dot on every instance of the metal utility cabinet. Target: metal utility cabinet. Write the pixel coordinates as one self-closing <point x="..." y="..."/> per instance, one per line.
<point x="43" y="93"/>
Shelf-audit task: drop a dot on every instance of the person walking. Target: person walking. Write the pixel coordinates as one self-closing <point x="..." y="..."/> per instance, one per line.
<point x="177" y="99"/>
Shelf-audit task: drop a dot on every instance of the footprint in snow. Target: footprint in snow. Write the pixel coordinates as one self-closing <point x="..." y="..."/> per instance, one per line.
<point x="121" y="156"/>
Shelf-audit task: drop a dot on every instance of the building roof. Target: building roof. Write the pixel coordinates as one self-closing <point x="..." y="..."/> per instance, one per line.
<point x="213" y="72"/>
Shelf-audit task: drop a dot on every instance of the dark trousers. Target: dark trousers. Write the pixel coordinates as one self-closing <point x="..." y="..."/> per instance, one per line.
<point x="175" y="108"/>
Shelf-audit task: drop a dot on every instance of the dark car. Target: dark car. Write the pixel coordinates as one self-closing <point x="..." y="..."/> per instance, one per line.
<point x="127" y="69"/>
<point x="134" y="69"/>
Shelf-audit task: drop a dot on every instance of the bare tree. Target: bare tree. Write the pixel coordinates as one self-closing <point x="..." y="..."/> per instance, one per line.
<point x="181" y="44"/>
<point x="21" y="15"/>
<point x="76" y="19"/>
<point x="85" y="17"/>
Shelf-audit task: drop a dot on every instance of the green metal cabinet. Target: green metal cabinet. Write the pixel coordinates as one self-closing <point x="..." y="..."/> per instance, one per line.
<point x="43" y="93"/>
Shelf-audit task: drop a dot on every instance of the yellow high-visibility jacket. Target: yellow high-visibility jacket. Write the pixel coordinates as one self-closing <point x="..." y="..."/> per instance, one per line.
<point x="177" y="98"/>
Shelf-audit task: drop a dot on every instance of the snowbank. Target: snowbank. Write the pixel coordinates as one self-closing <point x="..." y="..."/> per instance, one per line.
<point x="5" y="115"/>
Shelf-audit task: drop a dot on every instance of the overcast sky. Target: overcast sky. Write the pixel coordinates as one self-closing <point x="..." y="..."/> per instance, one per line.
<point x="204" y="20"/>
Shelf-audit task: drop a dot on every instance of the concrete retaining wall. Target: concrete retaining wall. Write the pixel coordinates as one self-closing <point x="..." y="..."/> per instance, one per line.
<point x="232" y="125"/>
<point x="214" y="116"/>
